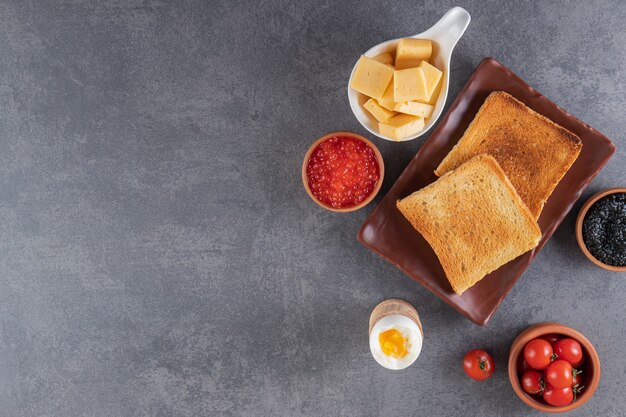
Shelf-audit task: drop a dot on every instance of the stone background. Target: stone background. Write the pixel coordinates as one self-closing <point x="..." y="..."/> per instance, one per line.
<point x="159" y="255"/>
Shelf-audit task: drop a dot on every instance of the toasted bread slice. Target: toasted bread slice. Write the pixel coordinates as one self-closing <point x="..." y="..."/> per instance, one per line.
<point x="533" y="151"/>
<point x="473" y="219"/>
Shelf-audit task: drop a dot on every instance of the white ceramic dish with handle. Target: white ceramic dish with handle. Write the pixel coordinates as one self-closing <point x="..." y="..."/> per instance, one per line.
<point x="445" y="34"/>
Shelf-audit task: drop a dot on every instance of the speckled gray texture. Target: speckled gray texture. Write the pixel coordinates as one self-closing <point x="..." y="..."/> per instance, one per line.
<point x="159" y="256"/>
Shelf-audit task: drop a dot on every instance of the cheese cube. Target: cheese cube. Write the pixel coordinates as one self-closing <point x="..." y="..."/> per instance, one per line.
<point x="408" y="63"/>
<point x="371" y="77"/>
<point x="401" y="126"/>
<point x="410" y="52"/>
<point x="380" y="113"/>
<point x="415" y="108"/>
<point x="432" y="75"/>
<point x="409" y="84"/>
<point x="435" y="95"/>
<point x="385" y="58"/>
<point x="387" y="100"/>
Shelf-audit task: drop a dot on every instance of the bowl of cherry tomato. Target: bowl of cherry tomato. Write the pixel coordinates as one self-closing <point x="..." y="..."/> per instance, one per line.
<point x="553" y="368"/>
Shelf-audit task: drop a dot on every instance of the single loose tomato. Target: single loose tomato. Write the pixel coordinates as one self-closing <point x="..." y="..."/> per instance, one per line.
<point x="560" y="374"/>
<point x="478" y="365"/>
<point x="569" y="350"/>
<point x="558" y="397"/>
<point x="532" y="382"/>
<point x="538" y="353"/>
<point x="551" y="338"/>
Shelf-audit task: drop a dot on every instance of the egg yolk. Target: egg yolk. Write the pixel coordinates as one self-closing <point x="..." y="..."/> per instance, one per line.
<point x="392" y="343"/>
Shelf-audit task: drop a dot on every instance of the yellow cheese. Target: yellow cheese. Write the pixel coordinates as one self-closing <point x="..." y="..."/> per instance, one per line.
<point x="410" y="52"/>
<point x="408" y="63"/>
<point x="380" y="113"/>
<point x="435" y="95"/>
<point x="409" y="84"/>
<point x="387" y="100"/>
<point x="432" y="75"/>
<point x="401" y="126"/>
<point x="385" y="58"/>
<point x="415" y="108"/>
<point x="371" y="77"/>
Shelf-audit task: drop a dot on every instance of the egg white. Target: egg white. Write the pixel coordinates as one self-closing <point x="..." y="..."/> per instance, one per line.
<point x="411" y="332"/>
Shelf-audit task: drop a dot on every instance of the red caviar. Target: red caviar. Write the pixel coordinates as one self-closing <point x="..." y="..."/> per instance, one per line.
<point x="342" y="171"/>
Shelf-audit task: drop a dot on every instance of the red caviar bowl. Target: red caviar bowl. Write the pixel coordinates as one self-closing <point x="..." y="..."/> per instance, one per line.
<point x="373" y="193"/>
<point x="590" y="368"/>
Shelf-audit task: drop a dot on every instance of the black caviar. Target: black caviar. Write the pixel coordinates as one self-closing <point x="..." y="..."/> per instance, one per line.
<point x="604" y="229"/>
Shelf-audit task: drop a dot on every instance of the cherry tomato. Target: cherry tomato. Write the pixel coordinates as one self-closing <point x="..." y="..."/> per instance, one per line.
<point x="522" y="365"/>
<point x="579" y="365"/>
<point x="569" y="350"/>
<point x="577" y="379"/>
<point x="538" y="354"/>
<point x="478" y="365"/>
<point x="558" y="396"/>
<point x="550" y="338"/>
<point x="559" y="374"/>
<point x="532" y="382"/>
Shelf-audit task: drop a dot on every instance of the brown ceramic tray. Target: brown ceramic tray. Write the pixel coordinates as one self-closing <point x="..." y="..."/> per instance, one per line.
<point x="389" y="234"/>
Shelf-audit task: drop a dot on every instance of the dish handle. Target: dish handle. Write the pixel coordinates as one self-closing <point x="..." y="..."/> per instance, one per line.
<point x="449" y="29"/>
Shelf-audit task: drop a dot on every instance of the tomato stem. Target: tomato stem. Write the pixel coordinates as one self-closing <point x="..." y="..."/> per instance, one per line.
<point x="576" y="389"/>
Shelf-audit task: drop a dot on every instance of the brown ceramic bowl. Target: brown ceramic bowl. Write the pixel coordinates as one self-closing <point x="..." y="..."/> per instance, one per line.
<point x="590" y="368"/>
<point x="379" y="159"/>
<point x="579" y="228"/>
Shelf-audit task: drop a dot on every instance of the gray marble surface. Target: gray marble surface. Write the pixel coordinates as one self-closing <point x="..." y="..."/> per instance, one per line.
<point x="158" y="253"/>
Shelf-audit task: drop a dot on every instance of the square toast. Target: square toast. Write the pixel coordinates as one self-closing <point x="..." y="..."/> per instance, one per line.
<point x="534" y="152"/>
<point x="473" y="219"/>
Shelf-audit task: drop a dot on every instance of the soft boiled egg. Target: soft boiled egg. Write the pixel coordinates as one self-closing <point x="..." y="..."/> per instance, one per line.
<point x="395" y="341"/>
